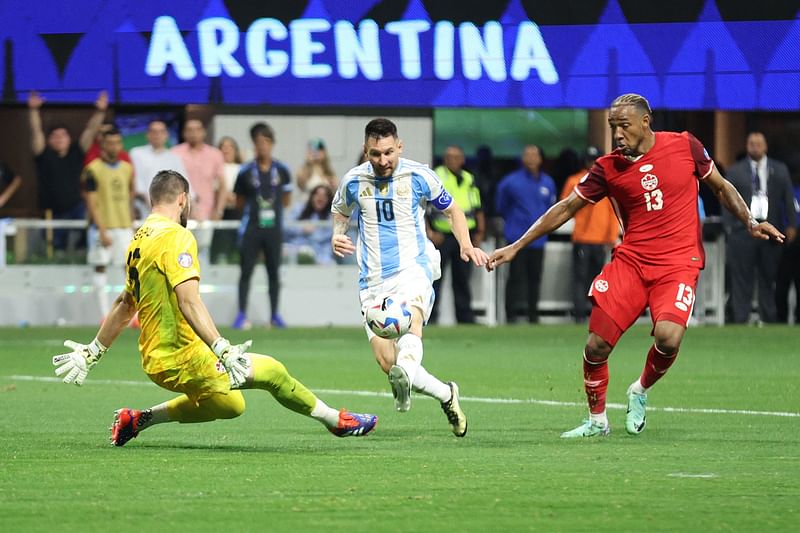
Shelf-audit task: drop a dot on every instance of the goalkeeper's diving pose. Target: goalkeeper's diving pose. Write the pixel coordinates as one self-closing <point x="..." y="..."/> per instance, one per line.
<point x="181" y="349"/>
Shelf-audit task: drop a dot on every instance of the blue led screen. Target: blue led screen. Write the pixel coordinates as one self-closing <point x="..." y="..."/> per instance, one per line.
<point x="332" y="53"/>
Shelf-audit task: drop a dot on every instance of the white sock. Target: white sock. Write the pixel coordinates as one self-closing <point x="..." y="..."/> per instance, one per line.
<point x="155" y="415"/>
<point x="99" y="280"/>
<point x="325" y="414"/>
<point x="430" y="386"/>
<point x="409" y="354"/>
<point x="637" y="387"/>
<point x="599" y="418"/>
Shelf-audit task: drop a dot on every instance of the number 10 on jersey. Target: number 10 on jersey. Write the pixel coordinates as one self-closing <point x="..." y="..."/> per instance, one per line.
<point x="384" y="209"/>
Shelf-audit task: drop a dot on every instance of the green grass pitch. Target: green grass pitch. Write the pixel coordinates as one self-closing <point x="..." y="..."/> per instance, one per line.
<point x="726" y="456"/>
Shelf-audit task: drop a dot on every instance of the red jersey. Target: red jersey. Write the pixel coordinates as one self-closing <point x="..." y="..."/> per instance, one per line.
<point x="655" y="199"/>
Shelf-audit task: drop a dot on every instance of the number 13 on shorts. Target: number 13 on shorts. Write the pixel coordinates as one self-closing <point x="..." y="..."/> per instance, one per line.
<point x="685" y="297"/>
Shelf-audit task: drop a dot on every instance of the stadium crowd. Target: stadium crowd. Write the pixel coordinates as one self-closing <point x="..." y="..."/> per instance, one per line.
<point x="282" y="209"/>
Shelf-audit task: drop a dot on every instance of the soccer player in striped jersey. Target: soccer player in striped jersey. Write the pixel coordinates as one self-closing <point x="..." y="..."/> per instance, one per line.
<point x="388" y="194"/>
<point x="182" y="351"/>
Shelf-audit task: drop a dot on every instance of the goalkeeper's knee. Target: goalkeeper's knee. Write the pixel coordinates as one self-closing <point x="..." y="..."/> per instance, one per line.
<point x="229" y="405"/>
<point x="269" y="374"/>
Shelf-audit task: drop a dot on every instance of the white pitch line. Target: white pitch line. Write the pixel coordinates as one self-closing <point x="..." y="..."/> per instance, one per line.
<point x="684" y="475"/>
<point x="476" y="399"/>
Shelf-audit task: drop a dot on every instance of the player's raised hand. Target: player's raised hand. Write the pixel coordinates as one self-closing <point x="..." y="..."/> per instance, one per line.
<point x="77" y="363"/>
<point x="102" y="101"/>
<point x="766" y="231"/>
<point x="476" y="255"/>
<point x="342" y="245"/>
<point x="35" y="101"/>
<point x="500" y="256"/>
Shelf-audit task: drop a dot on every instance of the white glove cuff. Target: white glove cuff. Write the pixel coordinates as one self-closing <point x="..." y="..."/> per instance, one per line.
<point x="96" y="350"/>
<point x="220" y="346"/>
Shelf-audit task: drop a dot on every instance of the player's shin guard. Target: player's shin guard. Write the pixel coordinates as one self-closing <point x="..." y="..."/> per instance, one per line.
<point x="409" y="354"/>
<point x="270" y="375"/>
<point x="656" y="366"/>
<point x="595" y="382"/>
<point x="430" y="385"/>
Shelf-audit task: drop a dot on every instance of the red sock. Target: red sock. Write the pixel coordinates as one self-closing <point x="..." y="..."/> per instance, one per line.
<point x="656" y="366"/>
<point x="595" y="381"/>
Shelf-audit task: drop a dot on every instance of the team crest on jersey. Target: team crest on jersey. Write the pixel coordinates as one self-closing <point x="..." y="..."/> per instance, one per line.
<point x="649" y="182"/>
<point x="185" y="260"/>
<point x="646" y="168"/>
<point x="402" y="190"/>
<point x="601" y="285"/>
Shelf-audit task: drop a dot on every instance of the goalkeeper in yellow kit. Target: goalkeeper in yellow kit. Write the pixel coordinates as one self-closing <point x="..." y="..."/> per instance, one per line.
<point x="181" y="349"/>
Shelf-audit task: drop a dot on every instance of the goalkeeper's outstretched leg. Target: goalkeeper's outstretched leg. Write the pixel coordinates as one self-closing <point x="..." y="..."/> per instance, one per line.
<point x="266" y="373"/>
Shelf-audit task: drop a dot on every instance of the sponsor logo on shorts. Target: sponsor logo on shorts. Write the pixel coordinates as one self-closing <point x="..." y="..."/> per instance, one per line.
<point x="219" y="367"/>
<point x="682" y="306"/>
<point x="649" y="182"/>
<point x="601" y="285"/>
<point x="646" y="168"/>
<point x="185" y="260"/>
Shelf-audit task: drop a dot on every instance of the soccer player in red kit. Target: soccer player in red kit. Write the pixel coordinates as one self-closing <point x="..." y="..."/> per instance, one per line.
<point x="652" y="179"/>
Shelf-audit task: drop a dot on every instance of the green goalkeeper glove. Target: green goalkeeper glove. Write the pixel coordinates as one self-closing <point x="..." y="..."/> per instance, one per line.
<point x="77" y="363"/>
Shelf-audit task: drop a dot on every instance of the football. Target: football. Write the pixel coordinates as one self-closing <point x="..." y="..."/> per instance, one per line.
<point x="389" y="319"/>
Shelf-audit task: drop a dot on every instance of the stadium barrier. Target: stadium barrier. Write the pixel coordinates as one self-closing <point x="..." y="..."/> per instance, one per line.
<point x="35" y="289"/>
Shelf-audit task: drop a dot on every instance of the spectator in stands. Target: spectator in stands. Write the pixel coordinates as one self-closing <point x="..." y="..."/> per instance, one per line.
<point x="9" y="183"/>
<point x="765" y="186"/>
<point x="205" y="170"/>
<point x="460" y="184"/>
<point x="789" y="268"/>
<point x="521" y="198"/>
<point x="59" y="162"/>
<point x="94" y="150"/>
<point x="595" y="232"/>
<point x="315" y="170"/>
<point x="307" y="236"/>
<point x="149" y="159"/>
<point x="223" y="246"/>
<point x="263" y="189"/>
<point x="110" y="187"/>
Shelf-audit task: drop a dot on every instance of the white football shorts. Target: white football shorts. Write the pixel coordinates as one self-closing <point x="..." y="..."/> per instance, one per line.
<point x="99" y="255"/>
<point x="411" y="285"/>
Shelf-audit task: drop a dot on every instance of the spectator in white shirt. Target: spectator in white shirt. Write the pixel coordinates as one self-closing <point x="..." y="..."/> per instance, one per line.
<point x="149" y="159"/>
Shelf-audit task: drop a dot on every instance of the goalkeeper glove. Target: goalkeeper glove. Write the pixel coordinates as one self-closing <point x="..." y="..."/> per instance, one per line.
<point x="235" y="360"/>
<point x="77" y="363"/>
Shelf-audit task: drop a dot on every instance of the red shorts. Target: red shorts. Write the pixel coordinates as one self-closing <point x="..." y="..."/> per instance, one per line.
<point x="623" y="289"/>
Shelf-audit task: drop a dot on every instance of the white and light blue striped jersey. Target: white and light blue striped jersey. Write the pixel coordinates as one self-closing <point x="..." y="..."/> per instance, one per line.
<point x="391" y="217"/>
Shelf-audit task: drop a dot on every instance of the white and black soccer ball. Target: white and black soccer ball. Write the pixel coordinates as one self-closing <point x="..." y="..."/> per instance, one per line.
<point x="389" y="319"/>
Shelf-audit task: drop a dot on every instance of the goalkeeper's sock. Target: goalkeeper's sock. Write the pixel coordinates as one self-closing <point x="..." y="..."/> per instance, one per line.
<point x="325" y="414"/>
<point x="157" y="414"/>
<point x="99" y="280"/>
<point x="270" y="375"/>
<point x="409" y="354"/>
<point x="429" y="385"/>
<point x="656" y="366"/>
<point x="595" y="382"/>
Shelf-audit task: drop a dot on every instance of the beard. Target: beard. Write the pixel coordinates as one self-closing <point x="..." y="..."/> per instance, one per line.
<point x="184" y="218"/>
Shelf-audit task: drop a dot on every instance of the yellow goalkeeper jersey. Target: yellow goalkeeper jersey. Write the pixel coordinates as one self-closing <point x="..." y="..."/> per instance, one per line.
<point x="162" y="255"/>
